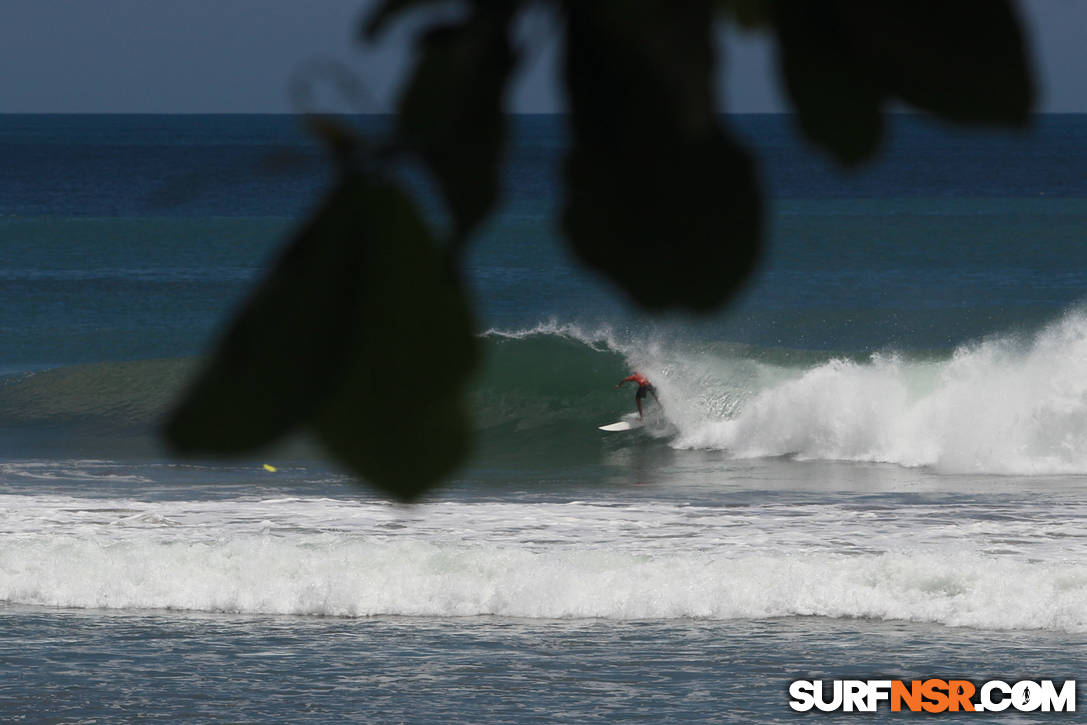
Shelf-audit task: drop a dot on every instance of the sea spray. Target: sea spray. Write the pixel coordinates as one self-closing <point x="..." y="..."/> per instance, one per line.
<point x="1004" y="405"/>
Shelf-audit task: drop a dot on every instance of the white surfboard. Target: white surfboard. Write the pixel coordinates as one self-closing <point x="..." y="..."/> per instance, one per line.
<point x="622" y="425"/>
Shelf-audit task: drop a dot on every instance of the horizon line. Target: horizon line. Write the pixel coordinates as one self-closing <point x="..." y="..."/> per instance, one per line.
<point x="896" y="112"/>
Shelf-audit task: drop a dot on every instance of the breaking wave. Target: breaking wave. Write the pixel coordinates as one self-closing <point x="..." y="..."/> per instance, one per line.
<point x="1006" y="405"/>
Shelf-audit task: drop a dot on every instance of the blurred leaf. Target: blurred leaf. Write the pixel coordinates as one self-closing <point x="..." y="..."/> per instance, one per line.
<point x="451" y="109"/>
<point x="837" y="99"/>
<point x="657" y="197"/>
<point x="320" y="86"/>
<point x="386" y="12"/>
<point x="841" y="59"/>
<point x="750" y="14"/>
<point x="359" y="331"/>
<point x="964" y="60"/>
<point x="674" y="226"/>
<point x="340" y="141"/>
<point x="398" y="418"/>
<point x="286" y="349"/>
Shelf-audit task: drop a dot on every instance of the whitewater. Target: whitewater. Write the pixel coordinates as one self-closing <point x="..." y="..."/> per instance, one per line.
<point x="652" y="560"/>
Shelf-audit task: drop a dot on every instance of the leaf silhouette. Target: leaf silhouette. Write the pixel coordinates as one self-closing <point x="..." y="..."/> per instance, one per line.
<point x="286" y="349"/>
<point x="837" y="98"/>
<point x="398" y="417"/>
<point x="344" y="336"/>
<point x="843" y="59"/>
<point x="386" y="12"/>
<point x="657" y="198"/>
<point x="451" y="109"/>
<point x="964" y="60"/>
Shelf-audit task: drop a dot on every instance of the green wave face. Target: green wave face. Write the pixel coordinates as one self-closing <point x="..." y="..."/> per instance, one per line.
<point x="550" y="389"/>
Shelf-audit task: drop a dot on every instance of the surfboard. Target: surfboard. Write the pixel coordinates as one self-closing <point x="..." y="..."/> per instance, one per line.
<point x="622" y="425"/>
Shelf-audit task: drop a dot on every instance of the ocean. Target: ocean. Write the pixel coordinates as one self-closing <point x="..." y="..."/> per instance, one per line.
<point x="871" y="465"/>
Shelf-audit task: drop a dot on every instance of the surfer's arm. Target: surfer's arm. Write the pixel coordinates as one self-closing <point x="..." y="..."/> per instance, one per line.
<point x="624" y="380"/>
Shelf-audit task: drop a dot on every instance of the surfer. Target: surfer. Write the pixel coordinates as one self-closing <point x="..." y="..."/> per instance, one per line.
<point x="644" y="386"/>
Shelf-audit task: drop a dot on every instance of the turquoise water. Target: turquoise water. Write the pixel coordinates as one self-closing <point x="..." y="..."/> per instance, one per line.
<point x="871" y="465"/>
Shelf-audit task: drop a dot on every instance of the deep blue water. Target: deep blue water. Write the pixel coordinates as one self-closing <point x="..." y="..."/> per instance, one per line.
<point x="872" y="464"/>
<point x="175" y="212"/>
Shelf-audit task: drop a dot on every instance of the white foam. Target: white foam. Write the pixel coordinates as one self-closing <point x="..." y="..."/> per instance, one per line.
<point x="69" y="470"/>
<point x="599" y="337"/>
<point x="650" y="560"/>
<point x="341" y="577"/>
<point x="1002" y="406"/>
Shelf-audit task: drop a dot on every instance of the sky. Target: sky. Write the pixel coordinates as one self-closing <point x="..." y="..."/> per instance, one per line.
<point x="242" y="56"/>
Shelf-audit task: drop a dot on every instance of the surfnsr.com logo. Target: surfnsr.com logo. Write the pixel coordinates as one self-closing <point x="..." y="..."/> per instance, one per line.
<point x="932" y="695"/>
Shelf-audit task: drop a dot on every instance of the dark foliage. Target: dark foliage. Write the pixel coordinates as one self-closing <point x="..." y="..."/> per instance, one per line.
<point x="651" y="176"/>
<point x="339" y="339"/>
